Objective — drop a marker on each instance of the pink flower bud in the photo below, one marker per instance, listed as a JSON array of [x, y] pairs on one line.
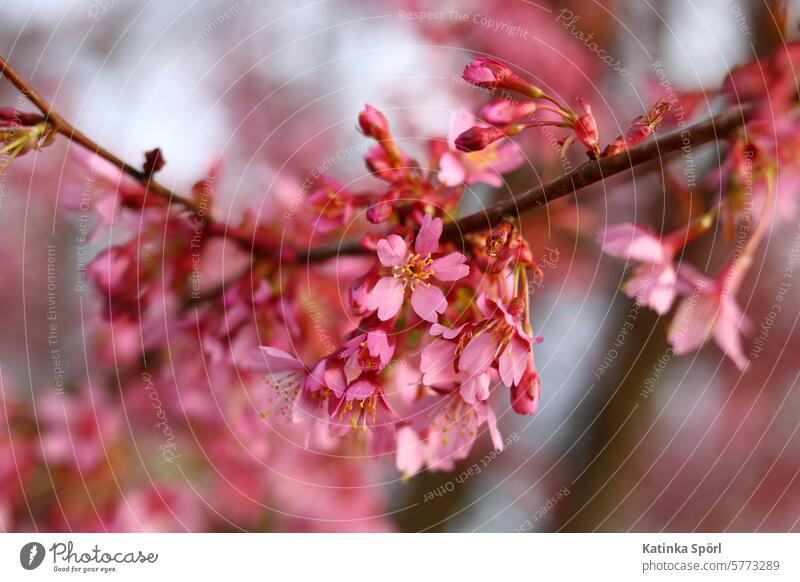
[[586, 128], [373, 123], [379, 211], [11, 116], [641, 128], [491, 74], [525, 395], [477, 138], [504, 112]]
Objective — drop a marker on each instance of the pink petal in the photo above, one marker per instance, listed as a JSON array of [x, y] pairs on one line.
[[728, 329], [360, 390], [513, 361], [451, 172], [693, 322], [508, 157], [632, 243], [428, 237], [392, 250], [450, 267], [386, 297], [378, 346], [272, 361], [437, 329], [410, 451], [491, 423], [305, 406], [427, 301], [475, 388], [316, 379], [460, 121], [484, 176], [653, 285], [477, 355], [335, 380], [438, 363]]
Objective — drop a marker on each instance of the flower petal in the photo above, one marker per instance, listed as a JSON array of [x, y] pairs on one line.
[[451, 172], [437, 363], [450, 267], [427, 240], [475, 388], [386, 297], [335, 380], [728, 329], [513, 361], [379, 347], [273, 361], [360, 390], [632, 243], [427, 301], [392, 250], [477, 355]]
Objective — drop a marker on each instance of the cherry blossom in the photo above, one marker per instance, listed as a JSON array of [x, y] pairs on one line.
[[411, 269]]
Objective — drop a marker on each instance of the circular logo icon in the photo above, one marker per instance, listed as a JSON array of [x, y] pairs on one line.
[[31, 555]]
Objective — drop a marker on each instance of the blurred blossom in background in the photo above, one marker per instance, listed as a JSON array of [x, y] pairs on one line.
[[265, 97]]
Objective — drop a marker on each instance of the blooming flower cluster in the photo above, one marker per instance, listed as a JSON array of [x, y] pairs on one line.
[[434, 330], [434, 334]]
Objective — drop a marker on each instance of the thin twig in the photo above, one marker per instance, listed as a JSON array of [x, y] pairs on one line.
[[589, 173]]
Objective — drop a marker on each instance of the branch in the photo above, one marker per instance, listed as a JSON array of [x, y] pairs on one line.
[[589, 173], [585, 175]]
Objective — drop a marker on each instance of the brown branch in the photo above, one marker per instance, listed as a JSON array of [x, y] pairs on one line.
[[66, 129], [589, 173]]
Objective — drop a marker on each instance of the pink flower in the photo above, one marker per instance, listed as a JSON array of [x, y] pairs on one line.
[[288, 381], [412, 268], [710, 310], [487, 166], [500, 340], [363, 406], [654, 282], [332, 204], [442, 429]]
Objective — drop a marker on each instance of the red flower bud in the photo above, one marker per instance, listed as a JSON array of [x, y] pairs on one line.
[[641, 128], [11, 116], [373, 123], [477, 138], [379, 211], [491, 74], [586, 128], [525, 395], [498, 238]]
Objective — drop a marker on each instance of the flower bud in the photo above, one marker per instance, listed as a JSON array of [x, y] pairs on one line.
[[525, 395], [477, 138], [491, 74], [373, 123], [498, 238], [379, 211], [11, 116], [586, 128]]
